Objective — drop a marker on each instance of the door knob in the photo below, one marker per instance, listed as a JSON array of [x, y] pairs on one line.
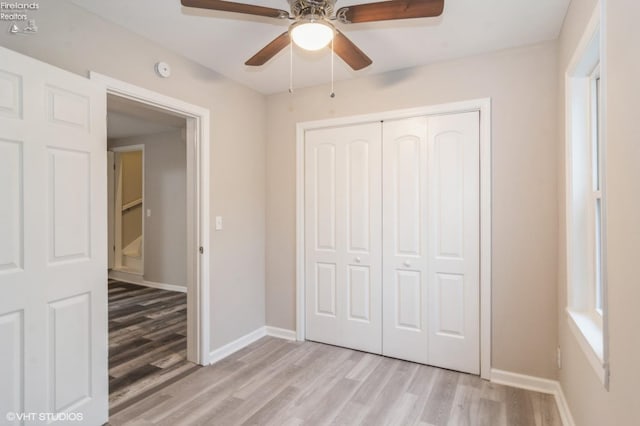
[[407, 263], [358, 259]]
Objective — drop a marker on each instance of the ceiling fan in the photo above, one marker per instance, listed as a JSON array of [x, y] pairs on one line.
[[313, 23]]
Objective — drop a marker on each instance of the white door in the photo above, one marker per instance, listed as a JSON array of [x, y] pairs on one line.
[[431, 234], [53, 242], [405, 239], [454, 242], [343, 236]]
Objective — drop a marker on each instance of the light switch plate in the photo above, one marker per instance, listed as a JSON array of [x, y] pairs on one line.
[[218, 223]]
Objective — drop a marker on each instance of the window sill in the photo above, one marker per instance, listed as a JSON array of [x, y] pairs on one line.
[[589, 335]]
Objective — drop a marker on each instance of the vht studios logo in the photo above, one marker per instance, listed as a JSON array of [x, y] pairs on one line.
[[17, 14]]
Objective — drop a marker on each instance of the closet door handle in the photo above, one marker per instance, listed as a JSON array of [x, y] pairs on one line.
[[358, 259], [407, 263]]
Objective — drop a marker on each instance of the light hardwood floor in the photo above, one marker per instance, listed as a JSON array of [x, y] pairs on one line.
[[147, 341], [277, 382]]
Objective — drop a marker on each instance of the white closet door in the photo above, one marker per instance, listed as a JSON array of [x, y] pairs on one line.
[[405, 288], [454, 242], [431, 240], [342, 236], [53, 242]]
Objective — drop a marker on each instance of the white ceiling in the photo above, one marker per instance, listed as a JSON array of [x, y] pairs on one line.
[[223, 41]]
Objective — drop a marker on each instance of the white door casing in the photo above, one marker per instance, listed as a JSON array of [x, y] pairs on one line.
[[405, 288], [111, 208], [343, 247], [118, 211], [53, 241]]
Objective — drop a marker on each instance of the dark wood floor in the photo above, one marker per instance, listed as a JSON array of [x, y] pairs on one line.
[[147, 342], [277, 382]]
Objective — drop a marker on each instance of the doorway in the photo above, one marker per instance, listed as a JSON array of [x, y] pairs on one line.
[[195, 151], [147, 294], [197, 193], [126, 205]]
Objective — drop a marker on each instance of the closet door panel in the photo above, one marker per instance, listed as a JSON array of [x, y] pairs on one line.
[[454, 244], [343, 236], [405, 240]]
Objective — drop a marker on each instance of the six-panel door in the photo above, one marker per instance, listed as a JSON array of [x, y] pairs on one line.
[[52, 243]]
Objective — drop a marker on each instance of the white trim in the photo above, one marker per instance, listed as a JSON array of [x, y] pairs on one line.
[[482, 105], [589, 51], [197, 119], [536, 384], [137, 279], [226, 350], [281, 333], [523, 381], [257, 334], [589, 338]]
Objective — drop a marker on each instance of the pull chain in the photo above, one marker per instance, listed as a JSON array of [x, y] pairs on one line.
[[333, 93], [291, 66]]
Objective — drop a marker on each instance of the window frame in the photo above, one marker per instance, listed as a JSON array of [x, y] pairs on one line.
[[597, 203], [586, 196]]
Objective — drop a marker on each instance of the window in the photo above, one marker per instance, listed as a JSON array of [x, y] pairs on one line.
[[586, 198], [596, 178]]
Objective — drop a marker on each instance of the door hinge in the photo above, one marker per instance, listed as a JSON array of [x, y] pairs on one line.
[[201, 250]]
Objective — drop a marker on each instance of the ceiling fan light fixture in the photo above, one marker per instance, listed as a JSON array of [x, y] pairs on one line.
[[312, 34]]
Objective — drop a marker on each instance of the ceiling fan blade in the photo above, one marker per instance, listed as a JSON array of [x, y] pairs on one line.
[[270, 50], [388, 10], [349, 52], [229, 6]]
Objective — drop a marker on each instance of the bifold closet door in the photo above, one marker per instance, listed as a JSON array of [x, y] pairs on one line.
[[431, 240], [343, 236], [454, 242], [405, 236]]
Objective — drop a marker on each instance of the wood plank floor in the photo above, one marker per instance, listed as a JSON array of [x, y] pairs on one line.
[[277, 382], [147, 341]]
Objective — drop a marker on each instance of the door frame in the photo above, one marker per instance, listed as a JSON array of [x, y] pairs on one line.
[[198, 205], [483, 106], [117, 220]]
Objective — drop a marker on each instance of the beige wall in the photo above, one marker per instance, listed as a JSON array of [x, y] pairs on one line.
[[522, 84], [590, 403], [78, 41], [165, 183]]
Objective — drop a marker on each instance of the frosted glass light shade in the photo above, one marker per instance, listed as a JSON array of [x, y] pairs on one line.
[[312, 35]]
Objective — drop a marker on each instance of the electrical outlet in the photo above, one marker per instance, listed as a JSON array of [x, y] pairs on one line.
[[559, 357]]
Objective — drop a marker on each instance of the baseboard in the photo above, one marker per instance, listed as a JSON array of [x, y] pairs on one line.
[[236, 345], [138, 280], [536, 384], [563, 407], [281, 333], [247, 339]]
